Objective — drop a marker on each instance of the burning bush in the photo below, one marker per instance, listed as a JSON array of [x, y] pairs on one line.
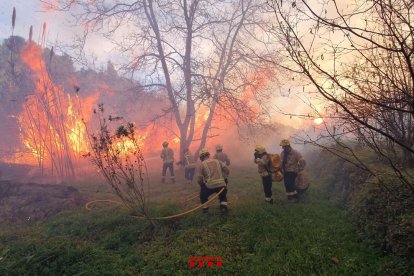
[[118, 156]]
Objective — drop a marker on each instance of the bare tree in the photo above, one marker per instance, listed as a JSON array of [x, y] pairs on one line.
[[203, 54], [358, 56]]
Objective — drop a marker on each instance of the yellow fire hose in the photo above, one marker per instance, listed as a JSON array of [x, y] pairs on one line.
[[191, 197], [233, 198], [87, 206]]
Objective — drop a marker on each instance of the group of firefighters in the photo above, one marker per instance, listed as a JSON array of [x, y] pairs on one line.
[[212, 174]]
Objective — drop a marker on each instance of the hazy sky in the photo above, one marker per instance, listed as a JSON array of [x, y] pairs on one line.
[[60, 30], [29, 12]]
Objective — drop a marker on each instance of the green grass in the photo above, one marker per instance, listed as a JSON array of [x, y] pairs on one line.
[[312, 237]]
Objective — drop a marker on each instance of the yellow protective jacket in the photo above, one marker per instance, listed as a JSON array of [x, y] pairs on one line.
[[212, 173], [167, 155], [189, 161], [293, 162], [222, 157], [263, 165]]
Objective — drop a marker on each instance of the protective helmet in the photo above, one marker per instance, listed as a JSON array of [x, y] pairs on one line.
[[284, 142], [219, 147], [260, 149], [204, 152], [165, 144]]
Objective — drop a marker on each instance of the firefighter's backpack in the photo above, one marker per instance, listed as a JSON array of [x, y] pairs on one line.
[[302, 180], [275, 167]]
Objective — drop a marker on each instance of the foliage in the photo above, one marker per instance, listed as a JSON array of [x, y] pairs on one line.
[[119, 159], [384, 215], [358, 56], [382, 212]]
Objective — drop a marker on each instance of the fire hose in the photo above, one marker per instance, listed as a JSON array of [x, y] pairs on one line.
[[191, 197], [88, 204]]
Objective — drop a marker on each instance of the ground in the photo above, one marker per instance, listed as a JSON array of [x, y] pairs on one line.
[[32, 201], [255, 238]]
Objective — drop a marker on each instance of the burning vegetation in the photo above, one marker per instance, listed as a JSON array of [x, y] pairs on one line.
[[50, 123], [202, 75], [53, 112]]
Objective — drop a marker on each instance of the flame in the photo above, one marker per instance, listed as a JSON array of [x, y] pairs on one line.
[[77, 131], [104, 88], [76, 124], [52, 122], [52, 127], [127, 147]]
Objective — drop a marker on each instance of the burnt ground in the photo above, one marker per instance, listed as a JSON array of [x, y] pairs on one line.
[[33, 201], [23, 173]]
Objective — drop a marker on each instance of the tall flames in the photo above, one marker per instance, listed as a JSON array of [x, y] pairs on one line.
[[51, 126], [76, 120]]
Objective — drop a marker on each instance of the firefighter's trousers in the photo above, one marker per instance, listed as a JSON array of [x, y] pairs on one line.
[[289, 180], [169, 166], [189, 173], [267, 185], [206, 192]]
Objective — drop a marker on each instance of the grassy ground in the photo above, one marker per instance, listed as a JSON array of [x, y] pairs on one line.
[[310, 237]]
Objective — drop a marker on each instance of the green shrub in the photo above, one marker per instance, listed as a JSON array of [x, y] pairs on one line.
[[382, 211], [384, 214]]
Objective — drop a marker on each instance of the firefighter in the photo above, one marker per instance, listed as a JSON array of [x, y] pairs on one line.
[[292, 163], [189, 165], [211, 177], [261, 158], [167, 156], [220, 155]]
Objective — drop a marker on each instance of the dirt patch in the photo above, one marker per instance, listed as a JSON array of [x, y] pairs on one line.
[[32, 201]]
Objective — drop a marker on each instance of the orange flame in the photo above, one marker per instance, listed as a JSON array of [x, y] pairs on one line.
[[51, 125]]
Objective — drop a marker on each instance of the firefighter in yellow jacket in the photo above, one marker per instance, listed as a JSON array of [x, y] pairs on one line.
[[211, 177], [189, 165], [292, 163], [167, 156], [220, 155], [262, 159]]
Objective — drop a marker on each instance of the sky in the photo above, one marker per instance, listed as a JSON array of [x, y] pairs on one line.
[[29, 12], [60, 30]]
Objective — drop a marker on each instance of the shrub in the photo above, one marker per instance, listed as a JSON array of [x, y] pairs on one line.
[[384, 214]]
